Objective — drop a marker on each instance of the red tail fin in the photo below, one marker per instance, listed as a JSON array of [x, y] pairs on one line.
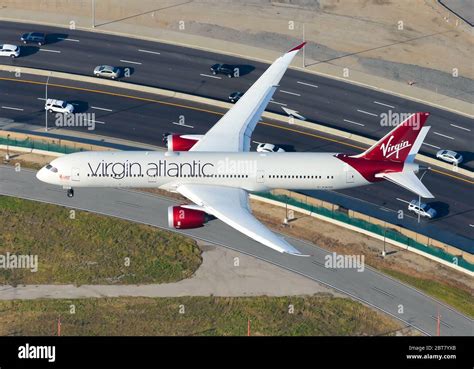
[[396, 145]]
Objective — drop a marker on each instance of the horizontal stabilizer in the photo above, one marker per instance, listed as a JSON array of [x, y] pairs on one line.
[[407, 180]]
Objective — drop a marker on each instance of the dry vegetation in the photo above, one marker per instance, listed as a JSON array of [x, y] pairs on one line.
[[90, 249], [320, 315]]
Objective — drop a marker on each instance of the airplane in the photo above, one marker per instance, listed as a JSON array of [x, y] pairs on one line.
[[216, 171]]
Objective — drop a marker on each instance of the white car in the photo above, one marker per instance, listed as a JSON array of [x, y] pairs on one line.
[[107, 71], [268, 147], [421, 208], [450, 156], [58, 106], [12, 51]]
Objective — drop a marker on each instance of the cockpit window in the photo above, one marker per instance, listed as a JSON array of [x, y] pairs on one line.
[[51, 168]]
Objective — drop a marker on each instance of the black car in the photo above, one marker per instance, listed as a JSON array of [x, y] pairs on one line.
[[227, 69], [34, 38], [235, 96]]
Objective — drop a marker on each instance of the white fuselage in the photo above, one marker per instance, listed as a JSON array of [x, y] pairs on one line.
[[251, 171]]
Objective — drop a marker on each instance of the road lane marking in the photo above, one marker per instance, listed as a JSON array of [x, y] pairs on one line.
[[350, 121], [368, 113], [405, 201], [41, 98], [323, 266], [471, 225], [379, 290], [307, 84], [466, 129], [209, 76], [440, 134], [95, 121], [452, 175], [289, 93], [389, 106], [278, 103], [67, 39], [51, 51], [12, 108], [131, 62], [97, 108], [427, 144], [138, 98], [149, 52], [182, 124], [442, 322]]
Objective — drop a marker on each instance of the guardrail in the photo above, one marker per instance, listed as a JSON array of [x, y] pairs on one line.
[[353, 220]]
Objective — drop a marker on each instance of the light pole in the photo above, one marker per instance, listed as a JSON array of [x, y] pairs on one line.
[[7, 157], [384, 252], [46, 100], [419, 197], [304, 63], [93, 13]]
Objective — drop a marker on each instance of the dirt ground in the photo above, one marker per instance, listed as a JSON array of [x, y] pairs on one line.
[[401, 40], [325, 235]]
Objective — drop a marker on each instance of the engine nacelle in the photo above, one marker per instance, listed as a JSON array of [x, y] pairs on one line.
[[181, 217], [180, 142]]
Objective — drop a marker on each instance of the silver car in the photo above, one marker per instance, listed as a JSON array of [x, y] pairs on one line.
[[12, 51], [450, 156], [107, 71], [421, 208]]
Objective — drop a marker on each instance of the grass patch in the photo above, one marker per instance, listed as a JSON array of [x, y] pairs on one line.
[[320, 315], [458, 298], [90, 249]]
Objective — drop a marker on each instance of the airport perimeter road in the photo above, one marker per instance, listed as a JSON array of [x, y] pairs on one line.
[[327, 101], [369, 286], [145, 118]]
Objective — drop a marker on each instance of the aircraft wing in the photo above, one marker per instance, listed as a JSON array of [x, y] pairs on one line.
[[409, 181], [232, 132], [231, 205]]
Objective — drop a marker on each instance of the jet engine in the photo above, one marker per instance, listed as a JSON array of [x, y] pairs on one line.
[[184, 217], [175, 142]]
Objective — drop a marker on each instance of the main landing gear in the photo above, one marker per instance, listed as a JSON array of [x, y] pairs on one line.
[[70, 192]]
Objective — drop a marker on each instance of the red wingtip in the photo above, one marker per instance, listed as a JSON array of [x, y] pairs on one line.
[[300, 46]]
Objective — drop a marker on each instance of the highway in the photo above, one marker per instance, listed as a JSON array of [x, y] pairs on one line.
[[323, 100], [144, 118], [369, 286]]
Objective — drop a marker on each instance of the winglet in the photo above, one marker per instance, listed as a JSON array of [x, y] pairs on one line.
[[300, 46]]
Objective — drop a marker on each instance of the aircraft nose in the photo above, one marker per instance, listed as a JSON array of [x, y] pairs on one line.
[[41, 174]]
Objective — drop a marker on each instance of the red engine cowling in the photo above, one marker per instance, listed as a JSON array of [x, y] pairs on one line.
[[181, 142], [180, 217]]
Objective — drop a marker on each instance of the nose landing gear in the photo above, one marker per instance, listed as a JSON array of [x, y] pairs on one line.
[[70, 192]]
